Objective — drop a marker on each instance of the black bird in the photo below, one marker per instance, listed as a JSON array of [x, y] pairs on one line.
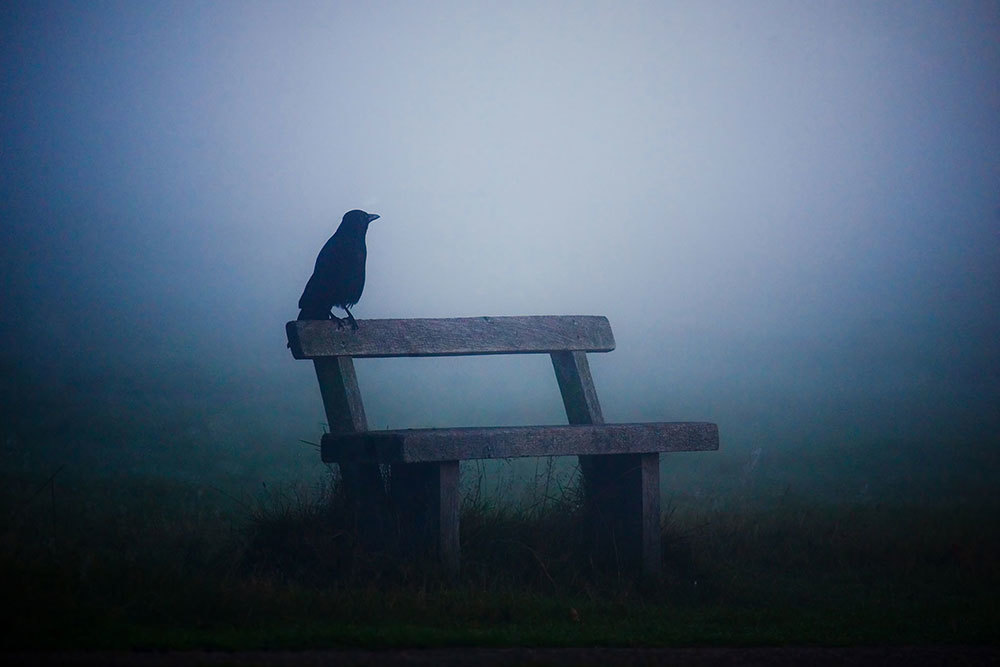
[[339, 276]]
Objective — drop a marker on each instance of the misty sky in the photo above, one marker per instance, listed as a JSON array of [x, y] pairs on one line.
[[783, 207]]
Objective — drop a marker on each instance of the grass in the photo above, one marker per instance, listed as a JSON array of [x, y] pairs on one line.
[[152, 563]]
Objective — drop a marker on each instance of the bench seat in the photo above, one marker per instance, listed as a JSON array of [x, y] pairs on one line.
[[501, 442]]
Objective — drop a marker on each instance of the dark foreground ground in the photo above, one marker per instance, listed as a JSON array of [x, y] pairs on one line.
[[874, 655], [123, 571]]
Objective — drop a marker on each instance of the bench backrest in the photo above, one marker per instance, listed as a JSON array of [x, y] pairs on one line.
[[567, 339], [316, 339]]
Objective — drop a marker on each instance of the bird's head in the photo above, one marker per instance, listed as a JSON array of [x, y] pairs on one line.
[[357, 221]]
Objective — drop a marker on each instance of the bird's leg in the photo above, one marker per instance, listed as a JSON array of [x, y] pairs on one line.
[[340, 322], [350, 318]]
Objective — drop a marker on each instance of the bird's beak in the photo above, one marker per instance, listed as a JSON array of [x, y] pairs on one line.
[[372, 217]]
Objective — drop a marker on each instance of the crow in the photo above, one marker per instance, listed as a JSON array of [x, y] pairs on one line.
[[339, 276]]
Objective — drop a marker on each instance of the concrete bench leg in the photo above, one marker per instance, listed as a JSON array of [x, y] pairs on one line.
[[425, 498], [622, 504]]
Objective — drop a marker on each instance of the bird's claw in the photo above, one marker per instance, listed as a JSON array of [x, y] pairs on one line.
[[340, 321]]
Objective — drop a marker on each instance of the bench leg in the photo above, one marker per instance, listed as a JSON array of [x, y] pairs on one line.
[[622, 501], [368, 504], [345, 413], [425, 497]]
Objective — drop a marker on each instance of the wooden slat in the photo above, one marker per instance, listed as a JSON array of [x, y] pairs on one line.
[[455, 444], [576, 385], [338, 385], [647, 479], [345, 413], [426, 499], [621, 491], [311, 339]]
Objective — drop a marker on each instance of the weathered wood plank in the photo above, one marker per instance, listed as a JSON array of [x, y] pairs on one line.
[[311, 339], [621, 491], [345, 413], [623, 512], [426, 500], [338, 385], [577, 387], [455, 444], [648, 481], [450, 544]]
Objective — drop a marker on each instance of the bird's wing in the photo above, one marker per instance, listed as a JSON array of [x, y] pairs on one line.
[[318, 291], [338, 276], [333, 264]]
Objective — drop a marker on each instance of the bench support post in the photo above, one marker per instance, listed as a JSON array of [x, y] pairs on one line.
[[345, 413], [622, 491], [425, 496]]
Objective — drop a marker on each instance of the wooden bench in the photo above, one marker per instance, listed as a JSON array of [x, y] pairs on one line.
[[619, 462]]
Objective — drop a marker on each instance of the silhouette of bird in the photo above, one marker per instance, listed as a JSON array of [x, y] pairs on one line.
[[339, 276]]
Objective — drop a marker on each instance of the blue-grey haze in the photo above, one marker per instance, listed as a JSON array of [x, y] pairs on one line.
[[789, 211]]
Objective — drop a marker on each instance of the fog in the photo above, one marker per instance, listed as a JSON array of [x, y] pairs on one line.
[[788, 211]]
